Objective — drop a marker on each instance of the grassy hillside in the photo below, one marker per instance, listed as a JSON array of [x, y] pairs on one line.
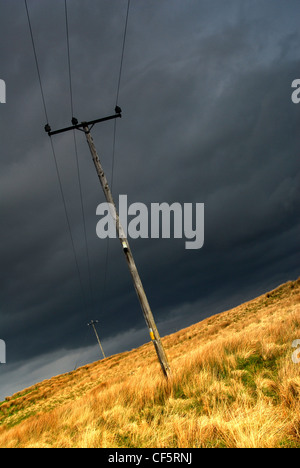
[[234, 385]]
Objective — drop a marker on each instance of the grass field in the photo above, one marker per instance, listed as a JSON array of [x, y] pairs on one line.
[[234, 385]]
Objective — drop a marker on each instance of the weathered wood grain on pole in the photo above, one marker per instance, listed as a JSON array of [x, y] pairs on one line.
[[154, 335]]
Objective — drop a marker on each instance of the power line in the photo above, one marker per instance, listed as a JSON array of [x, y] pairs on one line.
[[123, 50], [118, 92], [76, 154], [75, 142], [68, 220], [115, 132], [69, 58], [54, 153], [86, 127], [84, 219], [36, 61], [150, 322]]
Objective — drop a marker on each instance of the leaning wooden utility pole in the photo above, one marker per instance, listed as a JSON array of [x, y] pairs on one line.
[[93, 322], [154, 335]]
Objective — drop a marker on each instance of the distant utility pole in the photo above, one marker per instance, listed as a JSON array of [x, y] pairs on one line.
[[154, 335], [93, 322]]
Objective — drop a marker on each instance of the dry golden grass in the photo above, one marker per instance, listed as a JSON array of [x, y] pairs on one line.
[[234, 385]]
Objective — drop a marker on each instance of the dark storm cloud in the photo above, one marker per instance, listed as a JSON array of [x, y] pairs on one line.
[[207, 117]]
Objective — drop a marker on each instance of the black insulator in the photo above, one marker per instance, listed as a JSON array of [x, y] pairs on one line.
[[118, 110], [47, 128], [74, 121]]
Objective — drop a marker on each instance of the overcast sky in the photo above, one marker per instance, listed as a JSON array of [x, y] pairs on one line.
[[207, 118]]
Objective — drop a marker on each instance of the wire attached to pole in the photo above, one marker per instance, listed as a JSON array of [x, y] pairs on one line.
[[77, 157], [36, 61], [115, 132], [123, 50], [118, 92], [54, 153]]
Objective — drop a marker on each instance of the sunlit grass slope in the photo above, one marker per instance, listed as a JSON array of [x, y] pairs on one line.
[[234, 385]]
